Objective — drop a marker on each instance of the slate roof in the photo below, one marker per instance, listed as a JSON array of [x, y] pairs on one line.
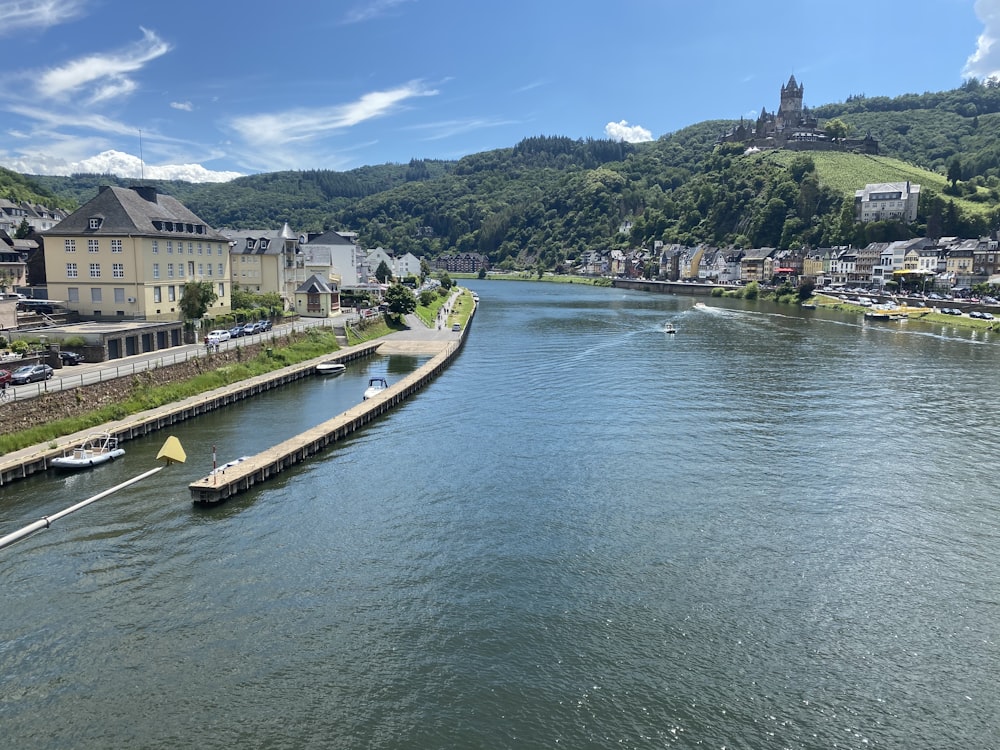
[[315, 284], [139, 211], [329, 238]]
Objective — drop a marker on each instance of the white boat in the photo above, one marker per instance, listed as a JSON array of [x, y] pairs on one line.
[[95, 450], [375, 387], [669, 328], [330, 368], [228, 465]]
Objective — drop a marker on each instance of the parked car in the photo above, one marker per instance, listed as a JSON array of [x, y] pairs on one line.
[[5, 377], [236, 332], [456, 327], [31, 374], [264, 325], [217, 336], [250, 329], [70, 358]]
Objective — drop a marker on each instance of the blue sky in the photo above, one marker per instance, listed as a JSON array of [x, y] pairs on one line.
[[222, 89]]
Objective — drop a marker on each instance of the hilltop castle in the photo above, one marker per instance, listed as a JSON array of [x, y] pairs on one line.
[[793, 127]]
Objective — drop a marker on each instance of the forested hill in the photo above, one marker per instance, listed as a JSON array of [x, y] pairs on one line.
[[546, 200]]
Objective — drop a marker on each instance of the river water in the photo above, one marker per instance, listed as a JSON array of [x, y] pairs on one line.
[[776, 528]]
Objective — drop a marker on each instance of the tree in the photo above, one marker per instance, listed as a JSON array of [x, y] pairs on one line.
[[400, 299], [198, 296], [23, 230], [383, 273], [836, 129], [955, 171]]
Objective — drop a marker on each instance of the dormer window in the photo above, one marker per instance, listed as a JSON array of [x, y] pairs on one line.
[[249, 243], [95, 222]]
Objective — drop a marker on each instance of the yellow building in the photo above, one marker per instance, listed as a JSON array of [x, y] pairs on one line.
[[127, 254]]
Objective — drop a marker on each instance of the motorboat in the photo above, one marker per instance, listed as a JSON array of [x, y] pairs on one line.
[[375, 387], [227, 465], [95, 450], [330, 368], [669, 328]]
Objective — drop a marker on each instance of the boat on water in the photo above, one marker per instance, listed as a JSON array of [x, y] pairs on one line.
[[375, 387], [94, 451], [669, 328], [227, 465], [330, 368], [807, 306]]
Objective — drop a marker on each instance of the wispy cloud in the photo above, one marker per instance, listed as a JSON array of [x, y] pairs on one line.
[[985, 61], [27, 14], [183, 106], [437, 131], [370, 10], [103, 76], [530, 86], [280, 128], [622, 131]]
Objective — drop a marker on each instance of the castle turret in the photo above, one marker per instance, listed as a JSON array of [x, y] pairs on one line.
[[790, 109]]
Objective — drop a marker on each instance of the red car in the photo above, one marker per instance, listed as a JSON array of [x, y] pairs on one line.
[[5, 377]]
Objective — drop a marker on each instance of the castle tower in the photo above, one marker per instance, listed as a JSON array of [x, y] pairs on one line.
[[790, 109]]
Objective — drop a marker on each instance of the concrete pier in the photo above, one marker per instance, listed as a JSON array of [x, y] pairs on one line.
[[220, 486], [22, 464]]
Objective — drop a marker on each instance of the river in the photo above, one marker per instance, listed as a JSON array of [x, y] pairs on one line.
[[776, 528]]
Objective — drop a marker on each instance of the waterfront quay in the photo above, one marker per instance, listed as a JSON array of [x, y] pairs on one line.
[[223, 484], [22, 464]]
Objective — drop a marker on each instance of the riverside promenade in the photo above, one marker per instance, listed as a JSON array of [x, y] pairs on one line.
[[417, 339], [443, 344]]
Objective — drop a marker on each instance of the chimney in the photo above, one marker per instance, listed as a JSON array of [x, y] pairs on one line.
[[147, 192]]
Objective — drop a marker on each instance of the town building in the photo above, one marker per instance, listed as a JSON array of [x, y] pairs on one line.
[[128, 253], [266, 261], [887, 201], [317, 297], [462, 262]]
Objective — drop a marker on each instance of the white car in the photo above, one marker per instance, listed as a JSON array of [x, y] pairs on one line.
[[217, 336]]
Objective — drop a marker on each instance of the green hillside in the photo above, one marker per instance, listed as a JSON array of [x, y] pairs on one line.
[[847, 172]]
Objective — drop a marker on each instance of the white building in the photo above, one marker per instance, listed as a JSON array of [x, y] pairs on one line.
[[887, 201]]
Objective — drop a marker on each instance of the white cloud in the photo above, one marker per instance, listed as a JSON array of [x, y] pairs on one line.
[[985, 61], [184, 106], [622, 131], [120, 164], [370, 10], [281, 128], [27, 14], [105, 73]]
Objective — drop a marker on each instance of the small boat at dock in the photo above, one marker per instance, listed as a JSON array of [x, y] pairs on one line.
[[330, 368], [94, 451], [227, 465], [375, 387]]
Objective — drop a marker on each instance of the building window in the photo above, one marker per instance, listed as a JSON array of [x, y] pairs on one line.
[[156, 270], [118, 270], [209, 268], [170, 270], [171, 293], [73, 294], [70, 246], [119, 295], [71, 272], [222, 270], [199, 248], [156, 295], [180, 270], [95, 270], [116, 246], [190, 248], [222, 290], [201, 269], [93, 246], [94, 223], [191, 268], [170, 248], [95, 294]]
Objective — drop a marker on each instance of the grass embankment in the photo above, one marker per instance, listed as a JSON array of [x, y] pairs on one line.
[[928, 316], [848, 172], [295, 348]]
